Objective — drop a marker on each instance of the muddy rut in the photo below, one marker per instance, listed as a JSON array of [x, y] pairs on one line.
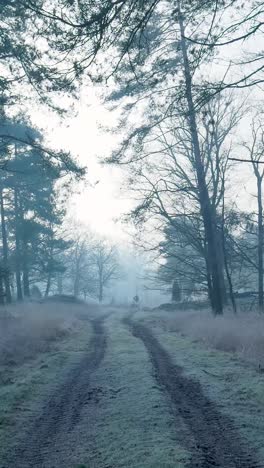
[[216, 442], [62, 410]]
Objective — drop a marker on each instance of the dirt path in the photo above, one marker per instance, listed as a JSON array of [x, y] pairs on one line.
[[125, 403], [62, 411], [216, 442]]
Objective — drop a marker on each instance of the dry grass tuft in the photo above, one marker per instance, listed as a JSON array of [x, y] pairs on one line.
[[30, 328], [243, 334]]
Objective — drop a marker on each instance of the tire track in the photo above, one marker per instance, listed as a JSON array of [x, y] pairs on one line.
[[62, 411], [217, 443]]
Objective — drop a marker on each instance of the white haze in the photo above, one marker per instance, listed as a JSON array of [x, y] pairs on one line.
[[100, 203]]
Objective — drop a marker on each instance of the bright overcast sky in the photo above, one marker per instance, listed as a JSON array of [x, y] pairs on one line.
[[100, 202]]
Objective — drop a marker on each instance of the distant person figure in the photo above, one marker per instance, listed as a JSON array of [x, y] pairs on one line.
[[35, 292], [135, 303], [176, 292]]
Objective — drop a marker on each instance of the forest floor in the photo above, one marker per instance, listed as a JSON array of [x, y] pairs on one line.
[[123, 391]]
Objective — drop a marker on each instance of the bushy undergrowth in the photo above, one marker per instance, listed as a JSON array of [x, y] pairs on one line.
[[29, 329], [242, 334]]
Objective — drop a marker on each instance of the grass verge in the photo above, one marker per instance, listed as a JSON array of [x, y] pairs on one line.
[[242, 334], [226, 379], [28, 381]]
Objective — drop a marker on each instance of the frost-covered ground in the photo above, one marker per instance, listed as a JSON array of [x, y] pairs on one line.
[[119, 390], [221, 354]]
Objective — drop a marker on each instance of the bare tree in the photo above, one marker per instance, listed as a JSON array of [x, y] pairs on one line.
[[105, 261], [175, 98], [90, 264], [256, 151], [77, 260], [165, 183]]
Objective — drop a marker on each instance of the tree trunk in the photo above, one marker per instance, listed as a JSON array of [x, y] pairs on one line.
[[59, 283], [228, 275], [101, 286], [19, 284], [17, 252], [100, 292], [2, 292], [5, 251], [48, 285], [230, 285], [26, 283], [25, 271], [260, 245], [208, 278], [205, 204], [221, 263], [76, 286]]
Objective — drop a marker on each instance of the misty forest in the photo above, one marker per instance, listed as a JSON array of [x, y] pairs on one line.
[[131, 233]]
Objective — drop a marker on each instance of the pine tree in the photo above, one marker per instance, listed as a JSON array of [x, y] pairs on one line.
[[31, 215]]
